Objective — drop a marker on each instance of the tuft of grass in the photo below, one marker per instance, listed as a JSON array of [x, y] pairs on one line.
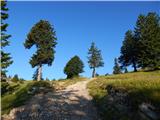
[[20, 96], [141, 87]]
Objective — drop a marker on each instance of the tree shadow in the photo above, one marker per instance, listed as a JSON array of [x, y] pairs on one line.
[[62, 105]]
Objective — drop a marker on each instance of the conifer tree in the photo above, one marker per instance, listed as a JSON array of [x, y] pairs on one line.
[[147, 32], [43, 36], [5, 57], [129, 51], [94, 58], [74, 67], [116, 68]]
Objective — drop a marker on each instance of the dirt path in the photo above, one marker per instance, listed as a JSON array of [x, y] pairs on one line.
[[72, 103]]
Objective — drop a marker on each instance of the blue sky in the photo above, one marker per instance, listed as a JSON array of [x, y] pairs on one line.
[[77, 24]]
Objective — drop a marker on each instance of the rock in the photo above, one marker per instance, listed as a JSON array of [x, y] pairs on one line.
[[148, 112], [79, 113], [41, 88], [73, 98], [12, 113], [33, 90], [52, 108], [121, 108]]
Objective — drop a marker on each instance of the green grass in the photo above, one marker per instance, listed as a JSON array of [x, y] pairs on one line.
[[141, 87], [20, 96]]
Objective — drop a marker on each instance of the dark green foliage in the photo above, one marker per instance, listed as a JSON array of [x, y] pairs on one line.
[[74, 67], [147, 32], [116, 68], [141, 48], [5, 57], [43, 36], [94, 58], [4, 87], [15, 78], [129, 51]]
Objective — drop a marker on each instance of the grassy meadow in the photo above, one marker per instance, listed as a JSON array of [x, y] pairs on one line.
[[141, 87]]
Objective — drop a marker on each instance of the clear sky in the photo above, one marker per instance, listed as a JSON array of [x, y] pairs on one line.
[[77, 24]]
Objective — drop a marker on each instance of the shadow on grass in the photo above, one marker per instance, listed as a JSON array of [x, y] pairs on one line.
[[20, 96], [113, 108]]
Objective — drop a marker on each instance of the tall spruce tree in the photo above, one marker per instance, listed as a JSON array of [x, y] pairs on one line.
[[43, 36], [94, 58], [5, 57], [74, 67], [116, 68], [147, 32], [129, 51]]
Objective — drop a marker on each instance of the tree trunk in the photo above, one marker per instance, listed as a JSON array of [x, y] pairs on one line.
[[134, 66], [93, 73], [39, 73]]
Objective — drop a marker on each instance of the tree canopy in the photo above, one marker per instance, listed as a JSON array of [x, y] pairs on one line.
[[129, 51], [5, 57], [74, 67], [94, 58], [147, 33], [43, 36], [141, 47]]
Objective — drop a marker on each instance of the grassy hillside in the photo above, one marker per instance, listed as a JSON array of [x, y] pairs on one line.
[[20, 95], [141, 87]]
